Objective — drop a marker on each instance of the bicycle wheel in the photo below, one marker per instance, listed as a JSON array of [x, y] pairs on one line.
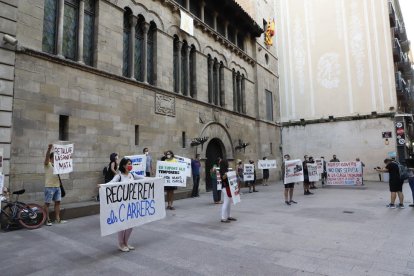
[[32, 216], [6, 218]]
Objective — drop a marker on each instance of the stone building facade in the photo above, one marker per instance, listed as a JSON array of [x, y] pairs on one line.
[[121, 75]]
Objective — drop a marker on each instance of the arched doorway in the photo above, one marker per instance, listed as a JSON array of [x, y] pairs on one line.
[[214, 150]]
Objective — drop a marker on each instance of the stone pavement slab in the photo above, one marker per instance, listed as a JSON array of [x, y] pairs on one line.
[[333, 232]]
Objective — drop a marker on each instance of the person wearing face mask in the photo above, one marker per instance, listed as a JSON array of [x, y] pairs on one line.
[[169, 157], [125, 174], [324, 174], [265, 174], [148, 167]]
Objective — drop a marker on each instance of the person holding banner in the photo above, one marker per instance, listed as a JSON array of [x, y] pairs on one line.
[[306, 183], [324, 174], [124, 175], [240, 171], [265, 174], [252, 183], [169, 157], [215, 178], [52, 187], [288, 186], [225, 209], [195, 168], [312, 183]]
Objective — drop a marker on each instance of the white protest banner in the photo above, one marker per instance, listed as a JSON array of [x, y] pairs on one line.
[[1, 160], [62, 155], [293, 171], [174, 173], [129, 204], [344, 173], [139, 163], [313, 172], [187, 23], [248, 172], [186, 161], [319, 164], [266, 164], [234, 187]]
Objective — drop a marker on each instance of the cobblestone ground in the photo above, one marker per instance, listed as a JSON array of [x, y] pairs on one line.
[[333, 232]]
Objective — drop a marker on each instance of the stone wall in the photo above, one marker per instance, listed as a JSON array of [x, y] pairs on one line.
[[104, 107]]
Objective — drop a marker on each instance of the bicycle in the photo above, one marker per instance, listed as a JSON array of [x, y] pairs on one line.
[[14, 213]]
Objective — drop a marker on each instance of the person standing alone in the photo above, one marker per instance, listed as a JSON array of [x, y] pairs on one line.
[[148, 166], [52, 188], [395, 182], [195, 168]]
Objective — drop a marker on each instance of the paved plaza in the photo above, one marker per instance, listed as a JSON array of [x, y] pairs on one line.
[[333, 232]]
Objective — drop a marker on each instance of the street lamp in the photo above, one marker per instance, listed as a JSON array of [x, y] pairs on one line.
[[242, 145], [199, 141]]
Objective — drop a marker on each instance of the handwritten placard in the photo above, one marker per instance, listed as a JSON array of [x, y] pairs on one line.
[[186, 161], [344, 173], [319, 164], [129, 204], [313, 172], [293, 171], [174, 173], [234, 187], [62, 155], [266, 164], [248, 172], [139, 163]]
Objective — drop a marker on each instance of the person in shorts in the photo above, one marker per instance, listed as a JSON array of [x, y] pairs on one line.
[[52, 188], [395, 182], [288, 186]]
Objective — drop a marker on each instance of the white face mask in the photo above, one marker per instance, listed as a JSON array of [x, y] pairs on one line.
[[169, 156], [146, 153]]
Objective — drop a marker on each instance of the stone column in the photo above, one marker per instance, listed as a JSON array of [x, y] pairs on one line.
[[133, 22], [187, 4], [226, 29], [221, 90], [211, 76], [215, 20], [187, 53], [217, 83], [234, 91], [235, 36], [60, 28], [80, 30], [239, 94], [179, 45], [203, 4], [145, 53], [243, 96]]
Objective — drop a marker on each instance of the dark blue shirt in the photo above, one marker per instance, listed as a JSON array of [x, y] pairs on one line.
[[195, 166]]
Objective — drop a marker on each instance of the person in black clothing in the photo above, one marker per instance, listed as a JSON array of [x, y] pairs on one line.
[[324, 174], [395, 182], [306, 183], [334, 159]]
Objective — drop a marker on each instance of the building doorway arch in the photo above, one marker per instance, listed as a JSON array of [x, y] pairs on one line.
[[214, 150]]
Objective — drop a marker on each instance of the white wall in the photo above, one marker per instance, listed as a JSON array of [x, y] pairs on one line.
[[348, 140]]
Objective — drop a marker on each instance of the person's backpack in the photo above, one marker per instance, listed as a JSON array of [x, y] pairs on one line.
[[107, 173], [403, 171]]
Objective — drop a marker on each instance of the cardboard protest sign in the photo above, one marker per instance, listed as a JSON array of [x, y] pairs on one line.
[[186, 161], [234, 187], [62, 155], [219, 183], [174, 173], [319, 164], [344, 173], [248, 172], [313, 172], [129, 204], [139, 163], [293, 171], [266, 164]]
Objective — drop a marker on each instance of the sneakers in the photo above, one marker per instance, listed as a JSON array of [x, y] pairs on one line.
[[48, 223], [287, 202], [60, 221], [401, 206], [123, 248], [292, 201], [391, 206], [225, 220], [411, 205], [130, 247], [231, 219]]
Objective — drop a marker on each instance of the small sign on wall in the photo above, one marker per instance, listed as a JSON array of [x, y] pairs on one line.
[[387, 134]]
